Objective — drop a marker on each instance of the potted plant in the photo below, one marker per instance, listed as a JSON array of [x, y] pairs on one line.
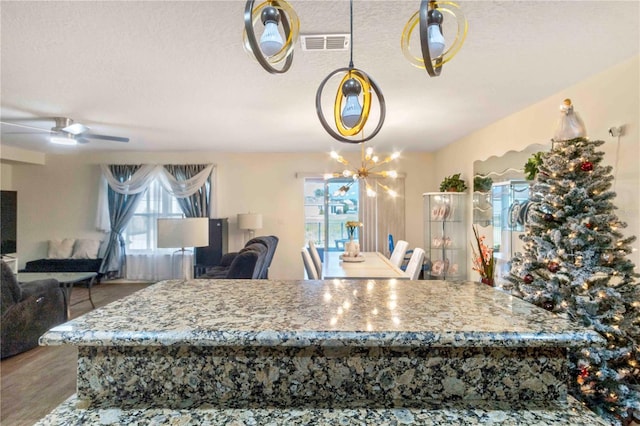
[[482, 184], [453, 184]]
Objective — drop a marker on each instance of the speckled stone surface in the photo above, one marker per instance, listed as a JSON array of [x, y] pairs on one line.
[[320, 352], [325, 313], [570, 414], [180, 377]]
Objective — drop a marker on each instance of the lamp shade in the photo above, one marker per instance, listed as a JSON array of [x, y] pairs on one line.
[[250, 221], [183, 232]]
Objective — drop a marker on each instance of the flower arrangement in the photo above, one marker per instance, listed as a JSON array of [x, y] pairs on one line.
[[483, 260], [352, 225]]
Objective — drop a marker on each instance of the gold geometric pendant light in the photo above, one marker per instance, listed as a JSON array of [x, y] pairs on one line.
[[434, 49], [352, 103], [272, 48]]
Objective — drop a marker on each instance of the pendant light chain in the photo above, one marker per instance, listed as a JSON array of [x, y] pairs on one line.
[[351, 29]]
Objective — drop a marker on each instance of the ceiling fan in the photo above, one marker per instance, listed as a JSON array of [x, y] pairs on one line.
[[66, 132]]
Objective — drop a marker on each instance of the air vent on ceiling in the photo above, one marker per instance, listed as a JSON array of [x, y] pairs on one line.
[[327, 42]]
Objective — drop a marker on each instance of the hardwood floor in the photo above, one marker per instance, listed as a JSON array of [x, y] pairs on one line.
[[33, 383]]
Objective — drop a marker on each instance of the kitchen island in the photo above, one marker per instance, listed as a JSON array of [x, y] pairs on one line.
[[329, 352]]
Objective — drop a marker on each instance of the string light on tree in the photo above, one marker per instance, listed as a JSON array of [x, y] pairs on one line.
[[575, 247]]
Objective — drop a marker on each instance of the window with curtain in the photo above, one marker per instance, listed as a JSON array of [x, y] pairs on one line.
[[140, 234]]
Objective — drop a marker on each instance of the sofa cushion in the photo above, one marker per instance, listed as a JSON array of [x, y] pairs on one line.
[[85, 249], [60, 249]]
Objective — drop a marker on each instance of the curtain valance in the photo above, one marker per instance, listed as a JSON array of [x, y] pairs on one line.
[[140, 180]]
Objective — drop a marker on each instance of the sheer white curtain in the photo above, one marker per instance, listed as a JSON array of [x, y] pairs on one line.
[[382, 215]]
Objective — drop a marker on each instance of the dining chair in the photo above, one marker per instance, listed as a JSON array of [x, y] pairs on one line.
[[312, 274], [315, 257], [397, 256], [415, 264]]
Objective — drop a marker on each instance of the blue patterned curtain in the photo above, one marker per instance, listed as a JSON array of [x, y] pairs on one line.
[[198, 204], [121, 209]]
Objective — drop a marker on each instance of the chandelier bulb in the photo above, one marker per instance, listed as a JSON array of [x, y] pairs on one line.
[[434, 33], [375, 158], [369, 152], [271, 41], [352, 109], [347, 173]]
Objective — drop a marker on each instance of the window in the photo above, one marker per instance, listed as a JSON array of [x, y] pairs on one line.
[[140, 234], [325, 216]]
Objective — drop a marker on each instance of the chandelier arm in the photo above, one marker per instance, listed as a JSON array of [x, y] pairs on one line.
[[253, 43]]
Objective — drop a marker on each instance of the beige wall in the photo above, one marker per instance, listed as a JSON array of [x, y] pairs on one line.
[[608, 99], [58, 199]]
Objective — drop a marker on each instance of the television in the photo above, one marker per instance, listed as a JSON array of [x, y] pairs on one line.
[[8, 222]]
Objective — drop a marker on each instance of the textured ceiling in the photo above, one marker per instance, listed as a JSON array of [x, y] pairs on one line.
[[174, 75]]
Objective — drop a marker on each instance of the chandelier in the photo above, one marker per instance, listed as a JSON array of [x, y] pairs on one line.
[[368, 164], [435, 52]]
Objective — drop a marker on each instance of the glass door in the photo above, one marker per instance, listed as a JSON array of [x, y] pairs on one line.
[[328, 205]]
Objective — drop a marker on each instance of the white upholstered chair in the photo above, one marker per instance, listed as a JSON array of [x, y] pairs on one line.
[[312, 274], [397, 257], [415, 264], [315, 257]]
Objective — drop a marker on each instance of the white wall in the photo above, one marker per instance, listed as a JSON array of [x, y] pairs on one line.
[[59, 199], [608, 99]]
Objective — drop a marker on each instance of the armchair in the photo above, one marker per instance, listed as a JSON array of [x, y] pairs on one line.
[[28, 311], [242, 264]]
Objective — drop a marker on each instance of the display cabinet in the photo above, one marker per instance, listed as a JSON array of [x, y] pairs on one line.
[[511, 206], [445, 235]]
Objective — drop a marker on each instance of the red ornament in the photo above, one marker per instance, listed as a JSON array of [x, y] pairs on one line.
[[589, 225], [553, 267], [587, 166], [528, 279]]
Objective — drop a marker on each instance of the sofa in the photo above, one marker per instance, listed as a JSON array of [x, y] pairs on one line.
[[65, 265], [70, 255], [251, 262], [28, 311]]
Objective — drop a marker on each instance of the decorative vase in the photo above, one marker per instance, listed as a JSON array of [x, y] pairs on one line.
[[352, 248], [488, 281]]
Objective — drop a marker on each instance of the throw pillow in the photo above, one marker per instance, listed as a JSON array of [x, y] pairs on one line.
[[85, 249], [60, 249]]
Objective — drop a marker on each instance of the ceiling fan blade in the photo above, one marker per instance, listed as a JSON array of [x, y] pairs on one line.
[[9, 123], [105, 137]]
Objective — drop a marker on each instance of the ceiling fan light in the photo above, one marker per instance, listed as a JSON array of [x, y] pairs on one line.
[[76, 128], [67, 139]]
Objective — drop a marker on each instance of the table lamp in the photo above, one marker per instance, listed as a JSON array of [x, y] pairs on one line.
[[250, 222], [182, 233]]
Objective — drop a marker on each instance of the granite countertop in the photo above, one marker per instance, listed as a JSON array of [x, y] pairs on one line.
[[326, 313], [573, 414]]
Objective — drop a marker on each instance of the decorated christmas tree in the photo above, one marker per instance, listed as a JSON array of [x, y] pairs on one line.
[[575, 263]]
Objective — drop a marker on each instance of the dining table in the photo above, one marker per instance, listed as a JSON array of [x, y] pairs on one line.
[[367, 266]]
